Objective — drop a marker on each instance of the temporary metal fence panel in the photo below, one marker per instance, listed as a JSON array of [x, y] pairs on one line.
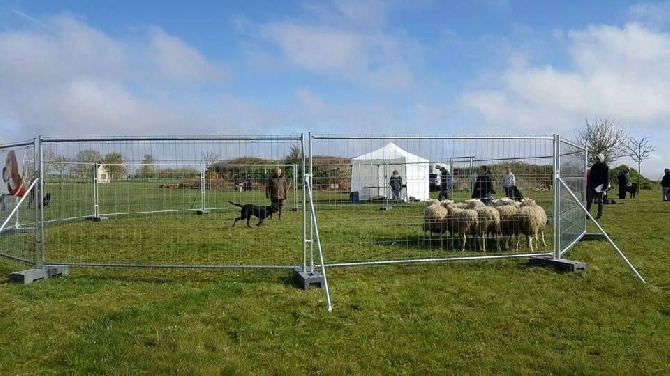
[[132, 202], [19, 228], [371, 228], [572, 218]]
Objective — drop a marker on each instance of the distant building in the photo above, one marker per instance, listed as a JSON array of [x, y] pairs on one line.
[[102, 174]]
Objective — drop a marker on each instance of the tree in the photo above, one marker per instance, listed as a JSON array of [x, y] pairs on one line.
[[603, 136], [60, 164], [639, 150], [86, 159], [115, 166], [148, 169], [209, 158], [294, 155]]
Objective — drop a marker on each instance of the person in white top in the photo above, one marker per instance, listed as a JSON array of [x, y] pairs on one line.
[[508, 182]]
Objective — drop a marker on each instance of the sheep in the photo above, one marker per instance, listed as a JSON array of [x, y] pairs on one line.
[[507, 209], [474, 203], [488, 221], [531, 221], [432, 201], [462, 222], [433, 218]]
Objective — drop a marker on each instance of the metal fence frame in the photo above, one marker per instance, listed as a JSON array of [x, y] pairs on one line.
[[562, 202], [564, 215]]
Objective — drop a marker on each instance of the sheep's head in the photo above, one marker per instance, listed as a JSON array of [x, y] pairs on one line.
[[528, 202], [474, 203], [503, 201], [447, 203], [432, 201]]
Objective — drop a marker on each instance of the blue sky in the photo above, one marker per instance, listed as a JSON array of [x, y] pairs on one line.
[[423, 67]]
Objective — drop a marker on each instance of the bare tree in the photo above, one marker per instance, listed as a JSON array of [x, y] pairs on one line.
[[603, 136], [209, 158], [639, 150], [60, 164]]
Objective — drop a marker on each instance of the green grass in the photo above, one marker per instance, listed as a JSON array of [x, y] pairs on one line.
[[493, 317]]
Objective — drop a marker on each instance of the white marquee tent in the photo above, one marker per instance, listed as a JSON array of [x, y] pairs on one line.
[[370, 174]]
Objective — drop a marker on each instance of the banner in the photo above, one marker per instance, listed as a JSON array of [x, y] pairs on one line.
[[11, 176]]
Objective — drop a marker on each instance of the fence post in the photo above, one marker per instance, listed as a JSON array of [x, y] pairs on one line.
[[37, 200], [203, 173], [557, 197]]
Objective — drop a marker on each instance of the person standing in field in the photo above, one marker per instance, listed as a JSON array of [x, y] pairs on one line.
[[623, 182], [665, 185], [446, 184], [483, 188], [396, 185], [508, 182], [276, 190], [598, 183]]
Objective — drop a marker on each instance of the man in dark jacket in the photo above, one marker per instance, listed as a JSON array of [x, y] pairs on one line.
[[483, 188], [276, 190], [623, 182], [598, 183]]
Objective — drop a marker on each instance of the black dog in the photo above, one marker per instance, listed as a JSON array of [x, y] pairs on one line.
[[45, 200], [632, 190], [249, 210]]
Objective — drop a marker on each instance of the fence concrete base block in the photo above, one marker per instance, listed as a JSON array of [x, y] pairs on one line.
[[27, 276], [96, 219], [593, 236], [201, 212], [308, 279], [31, 275], [558, 264], [55, 270]]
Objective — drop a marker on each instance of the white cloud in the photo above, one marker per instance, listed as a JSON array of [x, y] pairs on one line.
[[68, 78], [177, 62], [68, 48], [656, 14], [620, 73], [347, 40]]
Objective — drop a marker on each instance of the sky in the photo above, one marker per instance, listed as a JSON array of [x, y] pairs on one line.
[[344, 67]]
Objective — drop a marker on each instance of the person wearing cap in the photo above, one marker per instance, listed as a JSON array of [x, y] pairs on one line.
[[598, 183], [446, 184]]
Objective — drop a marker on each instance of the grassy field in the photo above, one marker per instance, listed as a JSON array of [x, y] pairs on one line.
[[493, 317]]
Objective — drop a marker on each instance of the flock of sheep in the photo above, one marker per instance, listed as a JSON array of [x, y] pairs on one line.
[[503, 219]]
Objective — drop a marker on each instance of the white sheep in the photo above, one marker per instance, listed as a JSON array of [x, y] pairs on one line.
[[531, 221], [474, 203], [462, 222], [507, 209], [488, 221], [433, 218]]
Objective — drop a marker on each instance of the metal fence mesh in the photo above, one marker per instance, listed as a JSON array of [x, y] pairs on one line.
[[17, 209], [133, 202], [363, 227]]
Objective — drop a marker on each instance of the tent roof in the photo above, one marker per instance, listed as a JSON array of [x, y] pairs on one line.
[[389, 152]]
